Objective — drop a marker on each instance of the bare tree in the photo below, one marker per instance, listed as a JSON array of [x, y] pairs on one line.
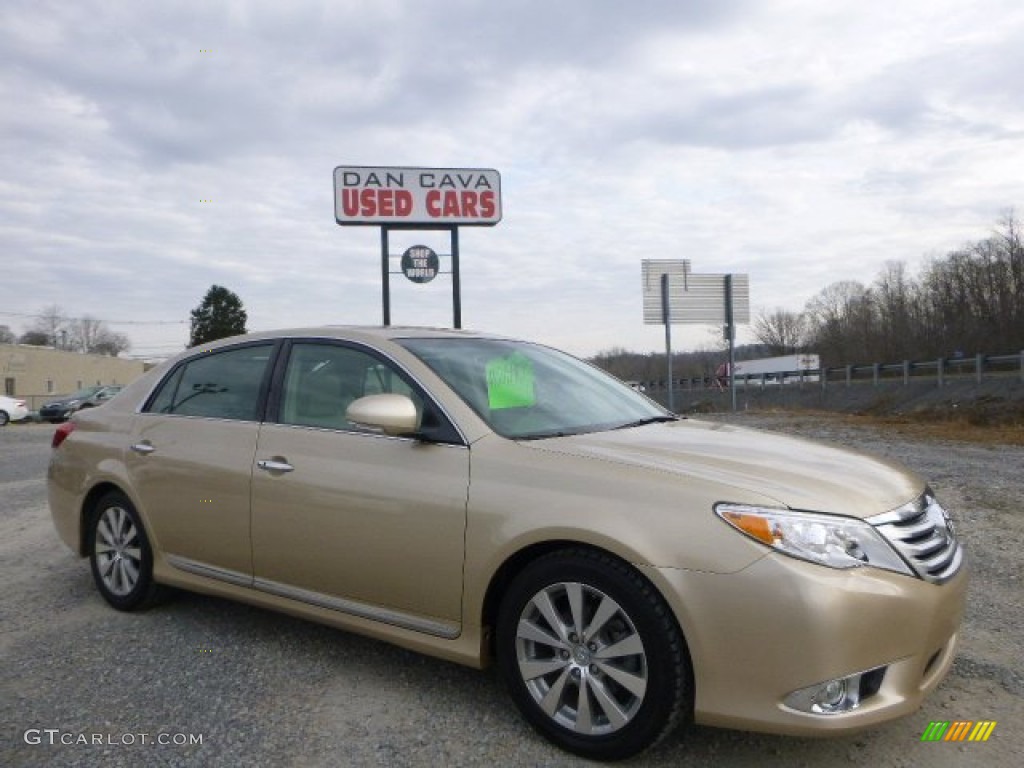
[[782, 331], [839, 319], [6, 337], [52, 323], [92, 336], [85, 331]]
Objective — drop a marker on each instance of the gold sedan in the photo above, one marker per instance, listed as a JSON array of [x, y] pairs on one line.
[[480, 498]]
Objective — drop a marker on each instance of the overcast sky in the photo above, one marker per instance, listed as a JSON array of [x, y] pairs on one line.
[[151, 149]]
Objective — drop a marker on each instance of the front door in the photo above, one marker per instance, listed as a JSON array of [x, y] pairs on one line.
[[353, 520]]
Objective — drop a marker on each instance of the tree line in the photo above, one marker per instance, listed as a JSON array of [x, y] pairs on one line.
[[53, 328], [219, 314], [971, 300]]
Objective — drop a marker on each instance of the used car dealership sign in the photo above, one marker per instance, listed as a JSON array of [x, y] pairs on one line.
[[417, 196]]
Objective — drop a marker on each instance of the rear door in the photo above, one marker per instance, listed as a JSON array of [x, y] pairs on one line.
[[190, 459]]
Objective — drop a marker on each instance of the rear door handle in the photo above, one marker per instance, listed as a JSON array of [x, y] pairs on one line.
[[272, 465], [143, 448]]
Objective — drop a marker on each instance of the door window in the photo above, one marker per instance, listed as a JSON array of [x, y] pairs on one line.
[[322, 380], [219, 385]]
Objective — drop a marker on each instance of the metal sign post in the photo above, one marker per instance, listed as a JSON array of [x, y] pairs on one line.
[[419, 274], [730, 333], [666, 314]]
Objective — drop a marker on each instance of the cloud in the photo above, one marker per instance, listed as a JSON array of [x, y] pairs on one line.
[[151, 150]]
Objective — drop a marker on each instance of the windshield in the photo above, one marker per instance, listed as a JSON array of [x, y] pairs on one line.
[[526, 391]]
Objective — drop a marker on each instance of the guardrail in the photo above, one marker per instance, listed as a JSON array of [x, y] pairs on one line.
[[979, 366]]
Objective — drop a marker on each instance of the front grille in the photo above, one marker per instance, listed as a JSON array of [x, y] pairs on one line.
[[923, 534]]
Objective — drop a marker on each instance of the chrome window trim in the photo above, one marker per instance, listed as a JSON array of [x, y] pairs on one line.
[[357, 433], [276, 352]]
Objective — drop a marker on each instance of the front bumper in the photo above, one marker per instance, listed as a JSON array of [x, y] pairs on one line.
[[782, 624]]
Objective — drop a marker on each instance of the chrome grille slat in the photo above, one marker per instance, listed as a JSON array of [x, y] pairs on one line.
[[919, 531], [912, 531], [958, 558], [926, 548], [939, 561]]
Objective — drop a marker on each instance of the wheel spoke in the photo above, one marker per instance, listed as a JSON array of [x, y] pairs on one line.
[[635, 684], [106, 567], [553, 698], [103, 529], [131, 572], [629, 646], [608, 705], [528, 630], [118, 514], [604, 612], [542, 600], [574, 591], [584, 718], [531, 669], [117, 577]]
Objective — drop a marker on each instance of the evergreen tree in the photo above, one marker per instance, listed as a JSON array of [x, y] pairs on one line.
[[220, 314]]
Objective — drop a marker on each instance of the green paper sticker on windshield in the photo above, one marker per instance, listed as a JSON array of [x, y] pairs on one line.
[[510, 382]]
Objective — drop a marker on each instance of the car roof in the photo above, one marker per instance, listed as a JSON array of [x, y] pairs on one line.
[[358, 333]]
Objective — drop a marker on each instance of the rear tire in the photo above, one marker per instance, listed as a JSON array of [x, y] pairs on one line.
[[592, 656], [4, 418], [120, 555]]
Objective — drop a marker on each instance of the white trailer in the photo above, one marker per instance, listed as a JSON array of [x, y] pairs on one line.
[[779, 370]]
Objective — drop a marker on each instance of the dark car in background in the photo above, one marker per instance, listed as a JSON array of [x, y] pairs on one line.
[[61, 407]]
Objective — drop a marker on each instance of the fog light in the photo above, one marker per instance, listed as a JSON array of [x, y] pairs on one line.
[[834, 697]]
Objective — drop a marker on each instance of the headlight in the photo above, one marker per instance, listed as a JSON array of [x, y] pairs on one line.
[[838, 542]]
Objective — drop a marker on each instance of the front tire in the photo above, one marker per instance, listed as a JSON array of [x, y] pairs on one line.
[[120, 555], [4, 418], [592, 655]]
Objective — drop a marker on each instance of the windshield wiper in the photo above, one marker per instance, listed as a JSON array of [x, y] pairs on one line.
[[650, 420]]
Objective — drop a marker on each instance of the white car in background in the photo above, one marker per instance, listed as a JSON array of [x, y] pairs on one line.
[[12, 409]]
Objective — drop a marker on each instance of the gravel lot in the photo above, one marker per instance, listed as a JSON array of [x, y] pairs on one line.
[[265, 689]]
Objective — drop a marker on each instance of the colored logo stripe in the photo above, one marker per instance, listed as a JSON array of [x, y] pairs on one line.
[[982, 730], [958, 730]]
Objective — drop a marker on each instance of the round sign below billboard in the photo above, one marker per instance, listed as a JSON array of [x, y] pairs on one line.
[[420, 264]]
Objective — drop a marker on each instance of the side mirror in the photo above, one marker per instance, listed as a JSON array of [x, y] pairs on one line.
[[391, 414]]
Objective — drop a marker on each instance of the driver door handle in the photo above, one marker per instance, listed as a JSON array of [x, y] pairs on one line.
[[273, 465]]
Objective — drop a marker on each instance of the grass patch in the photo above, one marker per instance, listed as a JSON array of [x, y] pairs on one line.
[[964, 425]]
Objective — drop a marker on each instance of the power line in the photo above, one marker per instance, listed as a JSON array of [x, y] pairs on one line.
[[68, 318]]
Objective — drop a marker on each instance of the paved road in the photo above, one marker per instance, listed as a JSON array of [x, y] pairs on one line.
[[258, 688]]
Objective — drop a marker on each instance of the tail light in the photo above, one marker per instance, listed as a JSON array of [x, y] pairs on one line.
[[61, 433]]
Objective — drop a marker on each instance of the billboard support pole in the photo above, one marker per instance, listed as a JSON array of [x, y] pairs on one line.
[[666, 316], [385, 280], [456, 281], [730, 331]]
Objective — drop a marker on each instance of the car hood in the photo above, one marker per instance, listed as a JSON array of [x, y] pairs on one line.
[[796, 473]]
